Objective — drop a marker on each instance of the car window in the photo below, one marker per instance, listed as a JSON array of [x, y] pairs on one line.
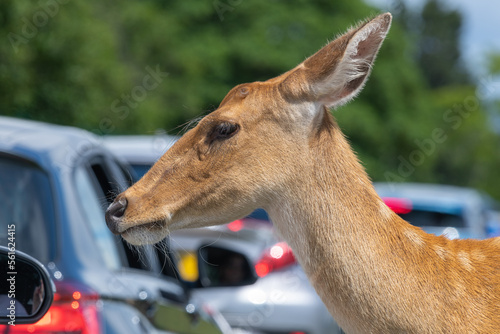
[[26, 208], [259, 214], [153, 258], [91, 197], [140, 170], [110, 178], [424, 218], [128, 173]]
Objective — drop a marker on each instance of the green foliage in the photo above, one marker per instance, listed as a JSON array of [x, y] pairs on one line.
[[439, 46], [59, 68], [469, 154], [133, 67], [494, 63], [85, 63]]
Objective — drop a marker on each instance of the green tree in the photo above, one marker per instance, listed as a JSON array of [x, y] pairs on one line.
[[439, 46], [58, 63], [133, 67], [468, 155]]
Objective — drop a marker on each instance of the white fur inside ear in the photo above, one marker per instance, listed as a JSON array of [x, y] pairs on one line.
[[351, 73]]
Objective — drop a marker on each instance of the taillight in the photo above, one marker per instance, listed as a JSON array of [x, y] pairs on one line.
[[74, 310], [235, 226], [398, 205], [274, 258]]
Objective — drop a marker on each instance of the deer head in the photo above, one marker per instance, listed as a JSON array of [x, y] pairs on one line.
[[253, 148]]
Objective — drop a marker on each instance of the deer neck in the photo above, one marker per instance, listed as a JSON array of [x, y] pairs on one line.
[[340, 231], [333, 204]]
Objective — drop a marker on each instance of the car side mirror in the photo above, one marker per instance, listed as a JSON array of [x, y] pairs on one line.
[[27, 291], [222, 267]]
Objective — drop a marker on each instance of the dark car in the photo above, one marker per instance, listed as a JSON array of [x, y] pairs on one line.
[[55, 183]]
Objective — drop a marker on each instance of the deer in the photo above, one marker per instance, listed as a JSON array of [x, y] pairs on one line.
[[275, 145]]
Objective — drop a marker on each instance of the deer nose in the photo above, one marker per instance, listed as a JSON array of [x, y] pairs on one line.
[[114, 214]]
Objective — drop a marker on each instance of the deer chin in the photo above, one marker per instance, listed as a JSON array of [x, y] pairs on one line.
[[146, 233], [151, 232]]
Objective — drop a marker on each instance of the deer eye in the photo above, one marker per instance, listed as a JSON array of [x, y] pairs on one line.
[[224, 131]]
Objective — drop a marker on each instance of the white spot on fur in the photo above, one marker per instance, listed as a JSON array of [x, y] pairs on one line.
[[414, 237], [385, 211], [496, 241], [464, 259], [441, 252]]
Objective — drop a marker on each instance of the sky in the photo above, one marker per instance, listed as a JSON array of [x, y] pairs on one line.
[[481, 29]]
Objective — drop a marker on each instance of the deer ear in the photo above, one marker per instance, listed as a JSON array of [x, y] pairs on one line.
[[336, 73]]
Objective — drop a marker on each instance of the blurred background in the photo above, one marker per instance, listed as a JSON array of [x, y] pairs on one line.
[[135, 72], [428, 114]]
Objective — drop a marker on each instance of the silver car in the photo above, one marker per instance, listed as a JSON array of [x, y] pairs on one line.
[[281, 301]]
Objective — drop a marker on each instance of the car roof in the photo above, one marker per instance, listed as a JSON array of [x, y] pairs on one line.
[[433, 194], [43, 142], [140, 149]]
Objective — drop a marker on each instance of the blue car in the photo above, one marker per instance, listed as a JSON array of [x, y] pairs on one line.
[[55, 183]]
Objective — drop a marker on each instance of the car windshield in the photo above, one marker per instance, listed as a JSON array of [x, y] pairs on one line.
[[26, 208], [425, 218]]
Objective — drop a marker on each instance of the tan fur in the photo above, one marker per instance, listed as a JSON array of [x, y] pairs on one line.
[[375, 272]]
